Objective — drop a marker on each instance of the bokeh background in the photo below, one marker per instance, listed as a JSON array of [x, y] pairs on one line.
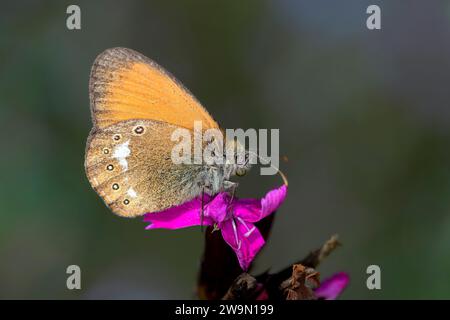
[[364, 119]]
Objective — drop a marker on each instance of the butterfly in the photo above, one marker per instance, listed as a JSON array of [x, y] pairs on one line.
[[136, 105]]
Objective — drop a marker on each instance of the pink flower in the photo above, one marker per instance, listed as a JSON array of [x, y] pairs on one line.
[[235, 218], [332, 287]]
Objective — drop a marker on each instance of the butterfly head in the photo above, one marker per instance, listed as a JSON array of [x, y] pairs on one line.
[[237, 158]]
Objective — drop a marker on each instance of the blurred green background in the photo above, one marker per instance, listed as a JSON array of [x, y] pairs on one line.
[[364, 120]]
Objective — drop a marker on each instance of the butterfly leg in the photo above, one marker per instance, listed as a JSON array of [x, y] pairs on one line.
[[230, 187], [202, 212], [233, 192]]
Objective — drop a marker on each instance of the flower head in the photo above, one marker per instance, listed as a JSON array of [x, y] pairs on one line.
[[234, 217]]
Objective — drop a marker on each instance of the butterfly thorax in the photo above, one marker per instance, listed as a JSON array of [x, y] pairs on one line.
[[235, 162]]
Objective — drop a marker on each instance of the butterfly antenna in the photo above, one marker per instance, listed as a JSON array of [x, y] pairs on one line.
[[262, 159]]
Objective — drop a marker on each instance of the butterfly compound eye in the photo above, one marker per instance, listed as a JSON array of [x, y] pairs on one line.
[[240, 172]]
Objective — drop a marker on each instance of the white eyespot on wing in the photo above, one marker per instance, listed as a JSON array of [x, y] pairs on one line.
[[121, 152], [132, 193]]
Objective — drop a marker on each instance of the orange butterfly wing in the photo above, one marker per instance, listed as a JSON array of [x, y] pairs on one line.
[[126, 85]]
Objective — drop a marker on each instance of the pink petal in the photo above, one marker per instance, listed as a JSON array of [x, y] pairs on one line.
[[186, 215], [244, 238], [216, 209], [273, 200], [253, 210], [247, 209], [331, 288]]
